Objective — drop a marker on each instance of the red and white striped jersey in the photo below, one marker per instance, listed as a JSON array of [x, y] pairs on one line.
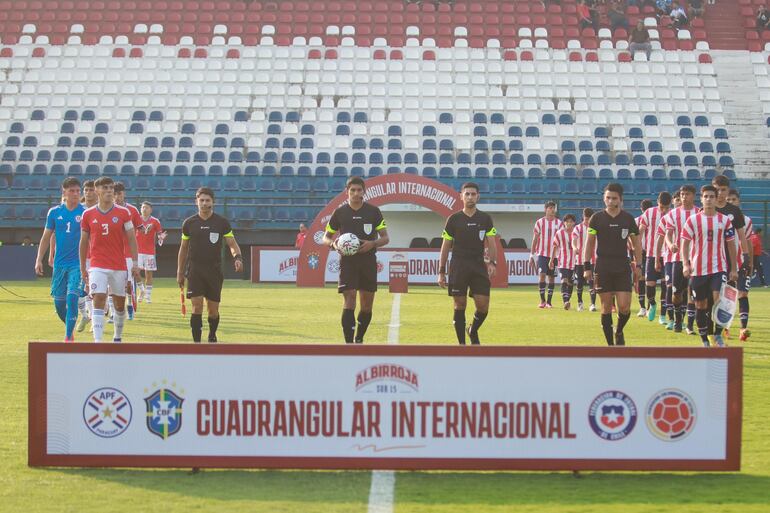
[[708, 235], [748, 229], [580, 233], [638, 220], [664, 253], [566, 253], [546, 230], [674, 223], [650, 220]]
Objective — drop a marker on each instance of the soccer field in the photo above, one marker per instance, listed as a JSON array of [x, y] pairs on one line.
[[284, 314]]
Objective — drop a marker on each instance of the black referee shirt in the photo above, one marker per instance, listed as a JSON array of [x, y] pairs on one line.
[[467, 234], [364, 222], [205, 236], [612, 239]]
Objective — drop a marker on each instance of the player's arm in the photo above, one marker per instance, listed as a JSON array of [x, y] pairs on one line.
[[235, 250], [636, 243], [181, 259], [554, 248], [672, 245], [83, 253], [45, 241], [748, 262], [686, 264], [134, 249], [535, 241], [52, 252], [492, 249], [447, 243], [588, 252]]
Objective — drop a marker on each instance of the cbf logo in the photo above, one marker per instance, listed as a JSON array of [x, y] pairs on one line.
[[671, 415], [313, 260], [612, 415], [164, 411], [107, 412]]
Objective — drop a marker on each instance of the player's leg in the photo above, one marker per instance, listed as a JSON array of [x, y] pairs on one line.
[[566, 286], [120, 301], [551, 274], [669, 296], [651, 276], [148, 285], [623, 302], [73, 296], [580, 282], [759, 270], [348, 319], [679, 289], [366, 304], [701, 293], [457, 287], [542, 268], [607, 300], [98, 284], [59, 292], [480, 287], [212, 309], [744, 284], [592, 294], [196, 317]]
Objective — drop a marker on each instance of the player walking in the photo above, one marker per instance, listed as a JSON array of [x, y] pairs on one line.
[[146, 236], [106, 229], [136, 218], [358, 273], [542, 248], [578, 242], [200, 261], [744, 276], [466, 234], [648, 228], [608, 232], [63, 224], [85, 303], [704, 261], [564, 248], [641, 288]]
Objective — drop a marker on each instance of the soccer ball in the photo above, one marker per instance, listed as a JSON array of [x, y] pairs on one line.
[[348, 244], [671, 416]]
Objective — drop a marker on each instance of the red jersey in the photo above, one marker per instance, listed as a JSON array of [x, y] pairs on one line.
[[563, 242], [580, 233], [708, 235], [674, 223], [107, 236], [145, 236], [644, 239], [650, 220], [756, 244], [546, 229], [136, 219]]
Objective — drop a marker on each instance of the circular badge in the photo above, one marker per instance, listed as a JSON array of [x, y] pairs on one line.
[[671, 415], [318, 237], [107, 412], [612, 415]]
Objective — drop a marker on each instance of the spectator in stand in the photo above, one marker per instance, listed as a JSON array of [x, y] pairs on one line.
[[588, 16], [663, 7], [678, 16], [640, 40], [301, 236], [617, 16], [696, 8], [756, 249], [763, 19]]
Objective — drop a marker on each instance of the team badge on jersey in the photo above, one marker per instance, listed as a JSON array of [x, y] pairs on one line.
[[164, 413], [115, 219], [368, 228], [481, 234], [612, 415], [107, 412], [213, 237], [78, 218], [624, 233]]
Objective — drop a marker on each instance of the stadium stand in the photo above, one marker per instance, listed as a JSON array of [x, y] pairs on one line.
[[276, 103]]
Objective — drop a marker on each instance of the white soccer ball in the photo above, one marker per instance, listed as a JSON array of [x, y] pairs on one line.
[[348, 244]]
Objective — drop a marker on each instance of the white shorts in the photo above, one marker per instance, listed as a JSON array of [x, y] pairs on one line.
[[99, 280], [147, 262]]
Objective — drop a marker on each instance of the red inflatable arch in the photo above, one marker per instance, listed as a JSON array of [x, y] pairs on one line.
[[382, 190]]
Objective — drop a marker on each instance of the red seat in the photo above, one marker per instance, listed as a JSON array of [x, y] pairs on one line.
[[575, 57], [379, 55], [624, 57], [38, 52], [396, 55], [526, 55], [429, 55], [331, 53], [136, 53], [314, 54], [117, 52], [233, 53], [704, 58], [592, 57], [200, 53]]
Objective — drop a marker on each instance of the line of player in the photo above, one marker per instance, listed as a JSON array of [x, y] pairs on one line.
[[98, 245], [691, 251]]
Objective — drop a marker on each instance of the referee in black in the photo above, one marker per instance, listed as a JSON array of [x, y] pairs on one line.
[[200, 261], [466, 234], [358, 273], [609, 231]]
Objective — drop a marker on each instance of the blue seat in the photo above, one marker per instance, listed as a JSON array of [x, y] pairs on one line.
[[726, 161], [650, 120], [183, 156], [446, 173], [536, 188], [642, 188], [535, 172], [188, 128], [708, 161], [673, 160], [701, 121], [706, 147], [185, 142], [675, 174], [375, 171], [552, 159], [360, 117], [394, 144], [200, 156], [568, 146], [587, 159], [532, 131], [517, 172], [729, 173], [394, 131], [601, 132], [657, 160], [67, 128], [464, 158], [102, 128], [659, 174], [63, 156], [624, 173], [162, 170], [517, 159], [307, 130], [376, 158], [635, 133], [552, 173], [127, 170], [95, 156], [148, 156], [481, 173], [621, 159], [691, 160], [235, 156], [606, 174], [639, 160], [429, 172], [570, 173], [604, 160], [497, 119], [685, 133], [480, 118], [549, 119], [292, 117], [480, 145], [589, 187], [445, 118], [683, 121], [586, 145], [688, 147], [566, 119], [709, 174], [26, 156], [641, 174], [569, 159], [499, 159], [499, 172], [720, 133], [464, 172], [693, 174], [241, 115], [723, 147], [499, 188], [515, 145], [63, 142], [136, 128], [515, 131], [269, 171], [342, 130], [533, 159], [376, 144], [517, 188], [394, 158]]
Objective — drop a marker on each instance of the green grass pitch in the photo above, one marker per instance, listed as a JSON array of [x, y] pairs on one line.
[[285, 314]]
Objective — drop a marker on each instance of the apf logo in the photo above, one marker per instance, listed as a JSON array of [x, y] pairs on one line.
[[388, 377], [612, 415], [671, 415], [107, 412], [164, 411]]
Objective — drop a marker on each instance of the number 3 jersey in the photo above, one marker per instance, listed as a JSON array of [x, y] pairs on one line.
[[107, 236]]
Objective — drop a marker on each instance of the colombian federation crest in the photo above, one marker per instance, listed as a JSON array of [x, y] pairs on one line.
[[107, 412], [164, 412], [612, 415], [671, 415]]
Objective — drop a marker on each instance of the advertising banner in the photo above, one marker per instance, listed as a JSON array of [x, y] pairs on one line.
[[400, 407], [270, 264]]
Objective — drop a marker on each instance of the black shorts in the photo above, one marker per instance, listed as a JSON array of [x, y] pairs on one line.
[[613, 281], [679, 282], [206, 283], [668, 273], [566, 274], [650, 274], [703, 287], [744, 281], [468, 277], [542, 266], [358, 272]]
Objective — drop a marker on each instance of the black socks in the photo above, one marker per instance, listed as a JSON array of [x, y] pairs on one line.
[[364, 318], [196, 325], [213, 325], [348, 324], [459, 323], [607, 328]]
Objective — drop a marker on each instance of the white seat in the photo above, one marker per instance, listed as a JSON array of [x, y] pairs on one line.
[[525, 32], [461, 32], [140, 28]]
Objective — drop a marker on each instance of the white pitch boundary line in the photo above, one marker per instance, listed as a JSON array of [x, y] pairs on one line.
[[383, 487]]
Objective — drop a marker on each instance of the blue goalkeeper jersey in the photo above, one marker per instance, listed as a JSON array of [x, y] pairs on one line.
[[65, 224]]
